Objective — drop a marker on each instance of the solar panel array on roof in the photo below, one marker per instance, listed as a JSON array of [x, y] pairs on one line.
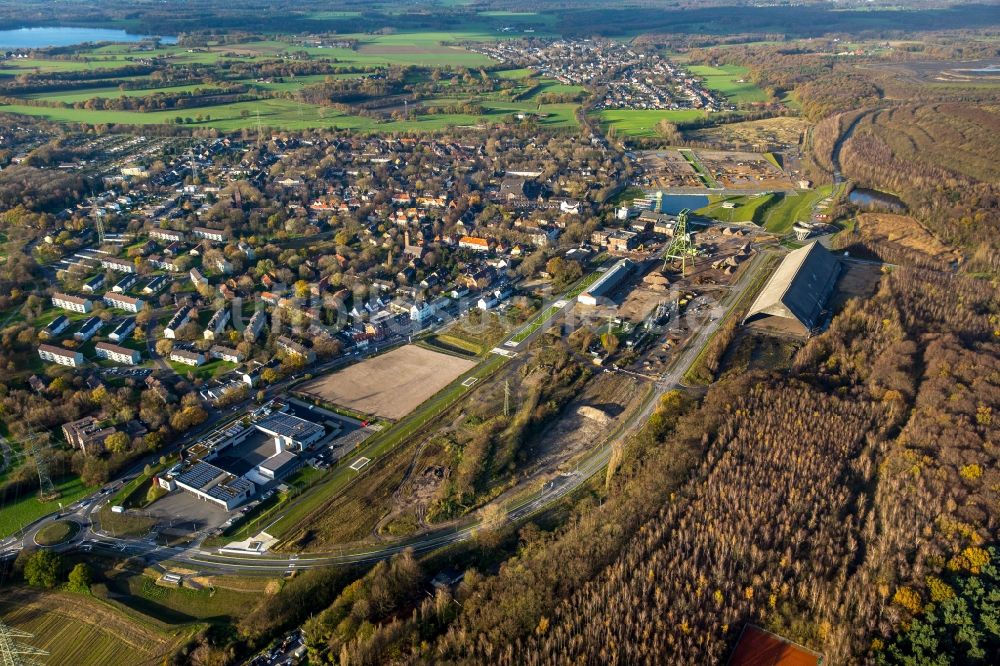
[[200, 475], [234, 487], [289, 425]]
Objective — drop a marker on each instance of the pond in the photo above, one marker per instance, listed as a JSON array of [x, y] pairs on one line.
[[675, 203], [868, 198], [37, 38]]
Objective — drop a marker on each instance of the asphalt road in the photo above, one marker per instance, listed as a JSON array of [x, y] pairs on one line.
[[266, 564]]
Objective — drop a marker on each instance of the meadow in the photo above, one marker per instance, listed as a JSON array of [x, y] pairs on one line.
[[642, 123], [730, 80], [21, 511]]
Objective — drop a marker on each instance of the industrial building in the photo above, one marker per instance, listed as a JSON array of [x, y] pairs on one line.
[[607, 283], [257, 452], [289, 431], [793, 300], [211, 484]]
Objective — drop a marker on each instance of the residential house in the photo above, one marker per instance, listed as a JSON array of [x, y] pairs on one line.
[[56, 326], [209, 234], [119, 265], [117, 354], [217, 323], [122, 330], [93, 284], [225, 353], [88, 329], [123, 302], [87, 434], [186, 357], [180, 318], [53, 354], [293, 348], [125, 283], [72, 303]]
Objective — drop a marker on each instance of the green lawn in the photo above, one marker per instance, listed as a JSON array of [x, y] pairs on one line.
[[292, 115], [18, 512], [792, 208], [204, 372], [113, 92], [641, 123], [726, 79], [748, 208]]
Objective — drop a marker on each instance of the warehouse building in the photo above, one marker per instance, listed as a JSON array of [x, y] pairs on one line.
[[211, 484], [607, 283], [793, 300]]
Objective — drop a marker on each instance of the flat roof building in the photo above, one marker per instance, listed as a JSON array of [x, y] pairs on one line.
[[87, 434], [279, 465], [793, 300], [290, 431], [215, 485]]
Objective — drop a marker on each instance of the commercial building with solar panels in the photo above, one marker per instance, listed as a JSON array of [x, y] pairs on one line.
[[212, 484], [289, 431]]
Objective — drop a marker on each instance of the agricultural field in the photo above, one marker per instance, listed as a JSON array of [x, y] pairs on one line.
[[390, 385], [642, 123], [731, 81], [83, 631]]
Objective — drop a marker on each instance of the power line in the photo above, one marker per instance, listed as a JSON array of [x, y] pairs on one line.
[[15, 653]]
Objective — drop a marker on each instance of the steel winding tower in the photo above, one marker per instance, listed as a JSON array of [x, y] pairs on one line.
[[681, 246]]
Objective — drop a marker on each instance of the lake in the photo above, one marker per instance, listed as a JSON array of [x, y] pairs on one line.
[[868, 198], [36, 38], [675, 203]]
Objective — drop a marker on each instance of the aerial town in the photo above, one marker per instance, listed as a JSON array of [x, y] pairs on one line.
[[474, 333]]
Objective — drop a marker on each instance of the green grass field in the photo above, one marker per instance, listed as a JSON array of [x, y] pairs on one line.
[[730, 80], [18, 512], [748, 208], [792, 208], [56, 533], [293, 115], [642, 123], [178, 605]]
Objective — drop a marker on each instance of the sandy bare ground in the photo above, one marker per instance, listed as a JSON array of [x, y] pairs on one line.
[[391, 385]]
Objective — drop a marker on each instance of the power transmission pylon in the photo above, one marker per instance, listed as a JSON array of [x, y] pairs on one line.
[[681, 247], [100, 229], [37, 446], [15, 653], [506, 398]]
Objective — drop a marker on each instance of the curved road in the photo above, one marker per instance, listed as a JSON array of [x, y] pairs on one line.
[[553, 490]]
